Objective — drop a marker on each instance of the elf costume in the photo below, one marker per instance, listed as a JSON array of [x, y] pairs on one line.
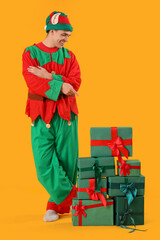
[[54, 130]]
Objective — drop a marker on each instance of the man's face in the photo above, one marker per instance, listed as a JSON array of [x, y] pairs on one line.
[[60, 37]]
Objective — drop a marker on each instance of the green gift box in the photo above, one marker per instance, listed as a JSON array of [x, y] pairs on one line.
[[92, 213], [129, 214], [111, 141], [126, 186], [87, 188], [129, 167], [96, 167]]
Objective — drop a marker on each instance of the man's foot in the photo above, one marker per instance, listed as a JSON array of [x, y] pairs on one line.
[[50, 216]]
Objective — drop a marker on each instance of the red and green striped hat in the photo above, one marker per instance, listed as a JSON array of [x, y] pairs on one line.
[[58, 21]]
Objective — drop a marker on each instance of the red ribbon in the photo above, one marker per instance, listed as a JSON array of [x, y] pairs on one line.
[[80, 210], [92, 194], [125, 168], [116, 144]]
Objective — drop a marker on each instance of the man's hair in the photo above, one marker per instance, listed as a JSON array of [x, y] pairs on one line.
[[50, 30]]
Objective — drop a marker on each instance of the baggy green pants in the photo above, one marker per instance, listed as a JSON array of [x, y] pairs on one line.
[[55, 152]]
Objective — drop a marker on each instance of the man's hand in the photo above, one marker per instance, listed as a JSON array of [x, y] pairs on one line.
[[68, 90], [40, 72]]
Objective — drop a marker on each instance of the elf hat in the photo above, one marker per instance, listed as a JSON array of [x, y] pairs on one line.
[[58, 21]]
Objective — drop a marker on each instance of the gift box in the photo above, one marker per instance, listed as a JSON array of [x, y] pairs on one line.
[[92, 213], [111, 141], [126, 186], [129, 168], [129, 214], [91, 189], [96, 167]]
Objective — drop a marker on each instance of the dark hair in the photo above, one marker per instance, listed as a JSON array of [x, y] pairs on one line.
[[50, 30]]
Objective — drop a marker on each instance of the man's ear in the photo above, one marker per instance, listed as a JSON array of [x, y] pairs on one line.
[[52, 31]]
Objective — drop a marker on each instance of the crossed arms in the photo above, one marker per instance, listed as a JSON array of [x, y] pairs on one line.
[[49, 85]]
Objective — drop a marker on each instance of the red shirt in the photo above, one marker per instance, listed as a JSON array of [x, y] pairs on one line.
[[44, 94]]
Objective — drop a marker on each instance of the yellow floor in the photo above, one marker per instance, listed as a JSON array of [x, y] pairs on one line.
[[22, 218]]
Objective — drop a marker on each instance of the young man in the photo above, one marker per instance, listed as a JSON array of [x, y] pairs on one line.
[[53, 78]]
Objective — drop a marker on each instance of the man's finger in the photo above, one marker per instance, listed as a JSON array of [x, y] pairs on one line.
[[32, 67], [74, 91], [35, 68], [40, 67], [30, 70], [77, 94], [70, 93]]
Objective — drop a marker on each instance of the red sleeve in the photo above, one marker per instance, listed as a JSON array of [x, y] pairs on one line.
[[40, 86], [74, 76]]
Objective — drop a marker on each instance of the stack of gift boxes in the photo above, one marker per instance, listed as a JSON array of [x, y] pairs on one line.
[[105, 198]]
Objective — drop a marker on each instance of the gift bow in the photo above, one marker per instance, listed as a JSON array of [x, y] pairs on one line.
[[96, 196], [117, 147], [130, 191], [123, 219], [92, 194], [79, 209], [124, 169], [98, 170]]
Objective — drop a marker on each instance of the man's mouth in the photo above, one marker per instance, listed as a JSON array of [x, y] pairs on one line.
[[62, 42]]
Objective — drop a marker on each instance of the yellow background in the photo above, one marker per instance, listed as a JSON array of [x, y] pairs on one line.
[[117, 46]]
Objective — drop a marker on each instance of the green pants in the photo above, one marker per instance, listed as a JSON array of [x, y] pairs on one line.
[[55, 152]]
